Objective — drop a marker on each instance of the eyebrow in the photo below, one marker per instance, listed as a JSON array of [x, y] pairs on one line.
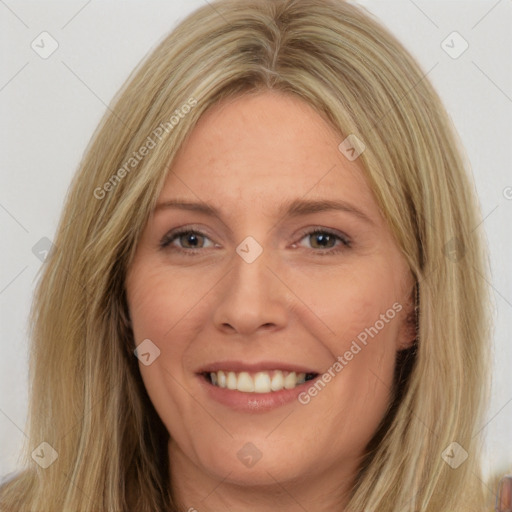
[[294, 208]]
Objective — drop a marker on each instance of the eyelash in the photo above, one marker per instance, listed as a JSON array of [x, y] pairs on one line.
[[167, 240]]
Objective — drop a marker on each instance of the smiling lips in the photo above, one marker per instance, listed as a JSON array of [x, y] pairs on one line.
[[258, 382], [254, 387]]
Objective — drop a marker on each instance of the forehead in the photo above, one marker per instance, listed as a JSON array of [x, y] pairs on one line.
[[267, 147]]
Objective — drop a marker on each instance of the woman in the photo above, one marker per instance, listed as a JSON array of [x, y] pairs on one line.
[[265, 290]]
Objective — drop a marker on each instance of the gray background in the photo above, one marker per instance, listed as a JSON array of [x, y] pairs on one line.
[[50, 106]]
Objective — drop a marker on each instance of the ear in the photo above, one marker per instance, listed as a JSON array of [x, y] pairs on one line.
[[407, 333]]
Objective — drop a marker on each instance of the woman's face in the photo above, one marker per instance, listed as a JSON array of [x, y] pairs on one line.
[[251, 298]]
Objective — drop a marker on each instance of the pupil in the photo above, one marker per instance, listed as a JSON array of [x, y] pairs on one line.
[[191, 239], [323, 239]]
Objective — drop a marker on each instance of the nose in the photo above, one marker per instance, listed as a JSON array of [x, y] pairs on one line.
[[252, 299]]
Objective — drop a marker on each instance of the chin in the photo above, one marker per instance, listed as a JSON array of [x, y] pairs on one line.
[[243, 463]]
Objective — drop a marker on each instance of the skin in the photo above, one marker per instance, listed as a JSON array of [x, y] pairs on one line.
[[293, 303]]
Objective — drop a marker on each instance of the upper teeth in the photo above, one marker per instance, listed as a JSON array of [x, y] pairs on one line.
[[260, 382]]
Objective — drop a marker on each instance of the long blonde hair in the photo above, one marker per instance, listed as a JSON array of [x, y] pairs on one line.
[[87, 398]]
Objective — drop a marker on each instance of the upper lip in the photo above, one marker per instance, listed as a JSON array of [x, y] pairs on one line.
[[241, 366]]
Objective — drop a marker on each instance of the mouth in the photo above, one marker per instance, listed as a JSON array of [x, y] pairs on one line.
[[257, 382]]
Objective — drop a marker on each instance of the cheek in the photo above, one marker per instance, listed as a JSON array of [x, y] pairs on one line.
[[162, 304], [363, 312], [357, 396], [162, 310], [363, 300]]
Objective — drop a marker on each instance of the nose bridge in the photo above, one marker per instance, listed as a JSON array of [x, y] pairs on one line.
[[252, 296]]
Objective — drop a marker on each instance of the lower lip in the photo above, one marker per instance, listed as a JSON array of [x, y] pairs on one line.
[[253, 402]]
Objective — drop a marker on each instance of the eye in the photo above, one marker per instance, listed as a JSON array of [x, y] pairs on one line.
[[188, 240], [324, 241], [191, 241]]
